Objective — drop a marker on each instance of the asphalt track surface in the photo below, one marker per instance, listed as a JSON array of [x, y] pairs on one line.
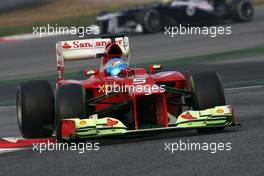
[[147, 156]]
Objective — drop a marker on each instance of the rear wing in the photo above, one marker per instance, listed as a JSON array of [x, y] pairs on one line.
[[86, 49]]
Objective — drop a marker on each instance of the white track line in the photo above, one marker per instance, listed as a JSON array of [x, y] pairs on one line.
[[7, 107], [245, 87], [28, 36], [8, 150]]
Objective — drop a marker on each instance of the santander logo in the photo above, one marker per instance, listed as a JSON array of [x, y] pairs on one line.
[[66, 46], [87, 44], [77, 44]]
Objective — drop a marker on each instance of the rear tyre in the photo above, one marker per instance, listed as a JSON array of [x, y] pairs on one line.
[[241, 10], [70, 102], [152, 21], [207, 92], [35, 109]]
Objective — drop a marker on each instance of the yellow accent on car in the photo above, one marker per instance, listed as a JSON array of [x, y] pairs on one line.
[[83, 122]]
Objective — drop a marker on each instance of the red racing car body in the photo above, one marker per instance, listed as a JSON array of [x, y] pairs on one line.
[[137, 98]]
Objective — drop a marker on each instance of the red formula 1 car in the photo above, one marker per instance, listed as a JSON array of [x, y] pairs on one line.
[[132, 101]]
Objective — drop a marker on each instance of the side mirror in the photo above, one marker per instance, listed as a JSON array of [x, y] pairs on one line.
[[155, 67], [89, 72]]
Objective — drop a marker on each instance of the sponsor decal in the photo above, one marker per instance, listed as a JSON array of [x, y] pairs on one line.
[[66, 45], [111, 122], [115, 63], [77, 44], [220, 111], [88, 44], [83, 122], [104, 43], [188, 116], [139, 81]]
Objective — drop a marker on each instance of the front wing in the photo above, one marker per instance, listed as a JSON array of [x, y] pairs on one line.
[[220, 116]]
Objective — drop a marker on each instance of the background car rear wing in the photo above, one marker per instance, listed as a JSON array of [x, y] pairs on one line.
[[73, 50]]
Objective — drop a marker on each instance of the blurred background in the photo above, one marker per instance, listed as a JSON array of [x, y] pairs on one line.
[[18, 16]]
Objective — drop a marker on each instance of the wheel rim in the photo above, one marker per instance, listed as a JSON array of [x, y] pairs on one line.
[[247, 10], [154, 21]]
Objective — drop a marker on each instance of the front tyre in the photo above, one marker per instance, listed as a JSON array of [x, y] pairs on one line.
[[70, 102], [241, 10], [207, 92], [35, 109]]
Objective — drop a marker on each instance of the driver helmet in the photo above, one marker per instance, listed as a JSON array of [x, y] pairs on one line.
[[114, 66]]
